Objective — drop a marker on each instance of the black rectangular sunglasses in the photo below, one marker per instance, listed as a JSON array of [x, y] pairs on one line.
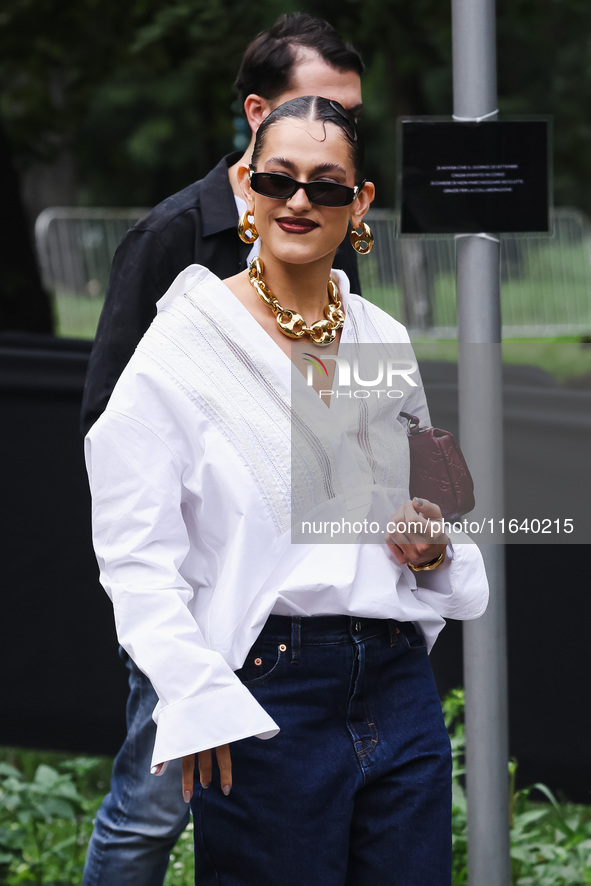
[[282, 187]]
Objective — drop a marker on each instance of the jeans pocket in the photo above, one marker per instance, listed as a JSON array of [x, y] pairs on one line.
[[263, 661]]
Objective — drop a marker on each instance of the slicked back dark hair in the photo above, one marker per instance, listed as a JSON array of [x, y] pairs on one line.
[[268, 62], [314, 108]]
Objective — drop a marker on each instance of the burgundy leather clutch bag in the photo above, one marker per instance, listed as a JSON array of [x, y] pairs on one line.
[[438, 469]]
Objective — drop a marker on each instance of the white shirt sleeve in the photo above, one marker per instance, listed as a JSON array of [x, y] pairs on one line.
[[141, 541], [459, 587]]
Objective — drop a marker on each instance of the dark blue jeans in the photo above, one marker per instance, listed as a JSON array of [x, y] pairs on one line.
[[356, 788]]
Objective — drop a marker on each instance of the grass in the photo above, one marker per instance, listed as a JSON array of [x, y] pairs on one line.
[[545, 286], [48, 801], [77, 316], [564, 357], [541, 305]]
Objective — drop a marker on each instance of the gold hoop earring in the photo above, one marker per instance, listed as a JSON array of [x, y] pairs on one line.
[[362, 239], [246, 228]]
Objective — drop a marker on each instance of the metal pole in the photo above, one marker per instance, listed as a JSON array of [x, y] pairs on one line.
[[480, 412]]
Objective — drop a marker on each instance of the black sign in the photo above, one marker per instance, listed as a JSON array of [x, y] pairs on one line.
[[469, 178]]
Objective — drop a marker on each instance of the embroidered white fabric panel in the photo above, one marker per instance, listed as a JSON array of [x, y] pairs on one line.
[[299, 458], [237, 393]]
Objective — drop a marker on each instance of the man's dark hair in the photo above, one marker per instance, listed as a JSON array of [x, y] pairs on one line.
[[268, 62]]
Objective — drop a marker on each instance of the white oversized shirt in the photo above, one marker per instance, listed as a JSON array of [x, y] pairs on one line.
[[190, 468]]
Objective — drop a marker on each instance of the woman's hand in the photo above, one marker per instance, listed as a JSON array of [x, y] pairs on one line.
[[205, 766], [416, 533]]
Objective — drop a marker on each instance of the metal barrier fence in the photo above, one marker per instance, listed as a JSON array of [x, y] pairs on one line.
[[75, 248], [546, 281]]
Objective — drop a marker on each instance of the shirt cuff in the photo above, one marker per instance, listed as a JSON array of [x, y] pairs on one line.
[[207, 721]]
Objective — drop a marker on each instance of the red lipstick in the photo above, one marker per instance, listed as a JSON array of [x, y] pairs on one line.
[[292, 225]]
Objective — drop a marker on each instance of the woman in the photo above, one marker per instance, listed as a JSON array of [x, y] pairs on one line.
[[222, 437]]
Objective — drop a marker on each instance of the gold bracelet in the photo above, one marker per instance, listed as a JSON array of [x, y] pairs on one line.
[[432, 564]]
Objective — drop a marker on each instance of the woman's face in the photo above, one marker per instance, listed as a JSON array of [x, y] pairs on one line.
[[295, 229]]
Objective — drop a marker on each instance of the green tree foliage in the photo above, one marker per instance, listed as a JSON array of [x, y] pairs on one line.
[[141, 92], [407, 51], [167, 104], [545, 68]]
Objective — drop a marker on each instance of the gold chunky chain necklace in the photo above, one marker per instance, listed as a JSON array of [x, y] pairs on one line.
[[292, 324]]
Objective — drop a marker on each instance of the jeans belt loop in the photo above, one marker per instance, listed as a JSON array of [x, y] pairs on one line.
[[394, 631], [296, 639]]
